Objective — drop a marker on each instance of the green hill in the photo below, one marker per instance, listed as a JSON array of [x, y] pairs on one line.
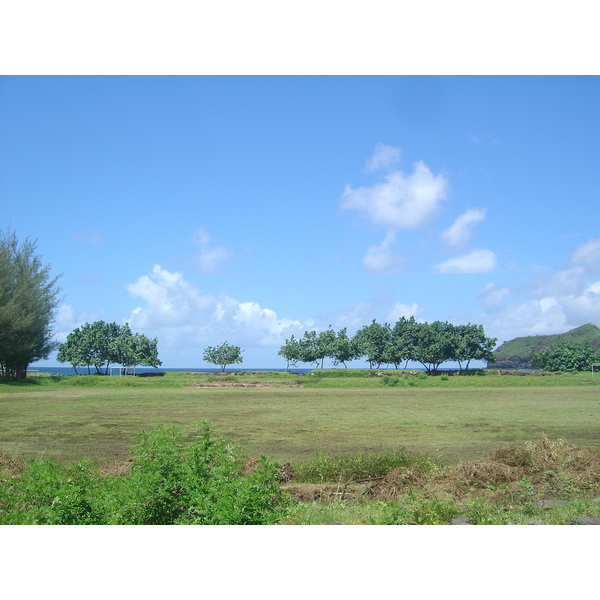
[[515, 353]]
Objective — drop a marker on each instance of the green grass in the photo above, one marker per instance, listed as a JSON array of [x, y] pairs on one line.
[[339, 428], [457, 419]]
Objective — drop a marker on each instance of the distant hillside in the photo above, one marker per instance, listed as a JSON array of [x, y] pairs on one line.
[[515, 354]]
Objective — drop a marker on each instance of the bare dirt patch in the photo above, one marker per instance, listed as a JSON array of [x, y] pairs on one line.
[[240, 384]]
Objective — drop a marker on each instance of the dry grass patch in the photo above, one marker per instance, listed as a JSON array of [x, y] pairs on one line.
[[11, 465]]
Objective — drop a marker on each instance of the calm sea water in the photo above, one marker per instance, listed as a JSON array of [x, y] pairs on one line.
[[82, 371]]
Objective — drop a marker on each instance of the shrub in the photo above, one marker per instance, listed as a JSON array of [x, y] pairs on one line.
[[168, 482], [201, 483], [357, 466]]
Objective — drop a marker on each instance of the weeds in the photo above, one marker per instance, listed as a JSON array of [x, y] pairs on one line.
[[169, 482], [357, 467]]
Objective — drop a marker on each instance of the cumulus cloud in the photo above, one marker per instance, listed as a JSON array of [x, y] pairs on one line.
[[170, 300], [211, 257], [67, 319], [475, 261], [186, 318], [552, 302], [384, 157], [534, 317], [459, 233], [404, 310], [584, 307], [402, 201], [382, 259]]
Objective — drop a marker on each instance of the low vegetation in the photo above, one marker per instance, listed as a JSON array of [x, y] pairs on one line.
[[348, 446], [544, 481], [166, 482]]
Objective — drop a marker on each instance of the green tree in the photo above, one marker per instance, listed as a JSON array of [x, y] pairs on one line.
[[291, 352], [374, 342], [28, 300], [308, 348], [100, 344], [343, 349], [92, 344], [223, 355], [564, 356], [472, 344], [316, 347], [402, 341], [434, 344], [134, 349], [325, 345]]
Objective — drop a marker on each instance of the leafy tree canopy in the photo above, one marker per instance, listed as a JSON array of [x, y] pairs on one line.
[[565, 356], [101, 344], [223, 355]]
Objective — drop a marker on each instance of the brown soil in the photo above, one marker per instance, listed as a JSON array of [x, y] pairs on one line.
[[246, 384]]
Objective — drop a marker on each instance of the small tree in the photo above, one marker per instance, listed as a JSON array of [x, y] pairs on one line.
[[343, 348], [402, 341], [133, 349], [223, 355], [291, 352], [472, 344], [373, 342], [308, 348], [434, 344]]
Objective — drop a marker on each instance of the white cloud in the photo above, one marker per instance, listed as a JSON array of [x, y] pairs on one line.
[[170, 300], [184, 318], [492, 296], [384, 157], [584, 307], [67, 319], [587, 255], [535, 317], [400, 202], [458, 234], [563, 282], [360, 314], [475, 261], [551, 302], [263, 323], [404, 310], [382, 260], [210, 258]]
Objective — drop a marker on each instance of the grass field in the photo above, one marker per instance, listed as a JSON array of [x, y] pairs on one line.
[[486, 447], [449, 419]]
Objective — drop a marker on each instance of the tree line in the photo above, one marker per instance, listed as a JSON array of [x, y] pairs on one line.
[[430, 344], [101, 344]]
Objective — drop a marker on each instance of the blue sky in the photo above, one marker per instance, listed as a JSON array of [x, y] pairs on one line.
[[249, 208]]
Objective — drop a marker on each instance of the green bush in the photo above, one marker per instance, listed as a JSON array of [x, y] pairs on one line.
[[355, 467], [169, 482]]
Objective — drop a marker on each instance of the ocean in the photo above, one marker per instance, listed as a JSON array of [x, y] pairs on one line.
[[115, 370]]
